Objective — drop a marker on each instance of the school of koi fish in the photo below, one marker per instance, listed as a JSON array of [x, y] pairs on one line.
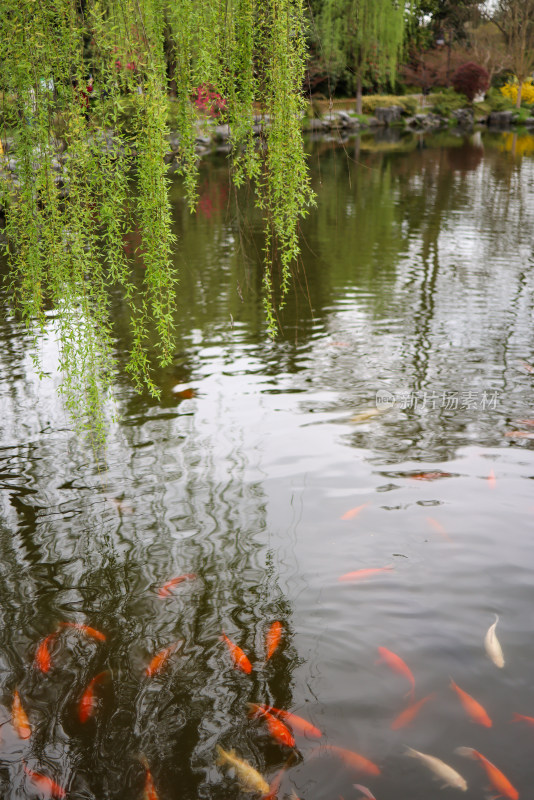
[[283, 726]]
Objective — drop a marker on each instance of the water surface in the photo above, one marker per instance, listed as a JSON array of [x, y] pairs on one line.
[[416, 282]]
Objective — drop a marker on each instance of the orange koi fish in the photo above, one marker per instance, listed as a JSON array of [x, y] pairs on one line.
[[438, 527], [399, 666], [277, 729], [407, 716], [43, 661], [520, 434], [185, 394], [149, 792], [525, 422], [359, 574], [298, 724], [44, 784], [160, 659], [353, 512], [165, 590], [522, 718], [274, 786], [429, 476], [473, 708], [364, 790], [498, 780], [19, 719], [351, 759], [92, 632], [273, 638], [240, 659], [88, 701], [492, 480]]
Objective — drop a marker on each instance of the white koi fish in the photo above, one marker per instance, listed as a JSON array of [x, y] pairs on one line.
[[249, 778], [492, 645], [447, 774]]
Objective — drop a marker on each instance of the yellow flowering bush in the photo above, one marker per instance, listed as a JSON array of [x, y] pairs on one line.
[[527, 93]]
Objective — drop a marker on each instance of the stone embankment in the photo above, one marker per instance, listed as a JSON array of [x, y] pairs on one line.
[[216, 138]]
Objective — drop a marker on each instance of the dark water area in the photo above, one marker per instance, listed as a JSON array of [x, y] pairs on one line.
[[268, 470]]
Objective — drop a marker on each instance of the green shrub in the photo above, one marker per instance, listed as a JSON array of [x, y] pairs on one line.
[[447, 101], [497, 101], [373, 101]]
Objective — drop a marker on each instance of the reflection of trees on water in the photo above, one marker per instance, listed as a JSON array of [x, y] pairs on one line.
[[431, 294], [409, 262], [71, 554]]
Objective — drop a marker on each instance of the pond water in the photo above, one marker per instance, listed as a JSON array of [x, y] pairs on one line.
[[266, 472]]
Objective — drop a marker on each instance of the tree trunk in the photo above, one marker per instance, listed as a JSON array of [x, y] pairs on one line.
[[359, 94], [519, 91]]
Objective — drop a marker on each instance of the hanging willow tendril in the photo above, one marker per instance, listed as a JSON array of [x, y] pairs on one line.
[[75, 183]]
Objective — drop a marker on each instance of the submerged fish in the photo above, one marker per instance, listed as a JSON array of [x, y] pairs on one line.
[[92, 632], [184, 394], [277, 729], [43, 660], [351, 759], [407, 716], [359, 574], [522, 718], [367, 413], [149, 790], [165, 590], [498, 780], [438, 527], [429, 476], [520, 434], [87, 703], [365, 791], [44, 784], [492, 480], [474, 710], [298, 724], [248, 777], [447, 774], [397, 664], [19, 718], [274, 635], [353, 512], [492, 645], [160, 659], [239, 658], [122, 508]]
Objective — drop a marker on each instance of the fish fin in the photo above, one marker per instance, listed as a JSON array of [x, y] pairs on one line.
[[220, 755], [254, 711], [409, 751], [469, 752]]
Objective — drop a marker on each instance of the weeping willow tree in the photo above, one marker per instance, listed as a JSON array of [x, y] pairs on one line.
[[67, 195], [362, 38]]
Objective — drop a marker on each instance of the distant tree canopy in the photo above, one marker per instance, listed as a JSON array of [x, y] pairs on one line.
[[65, 232], [362, 39]]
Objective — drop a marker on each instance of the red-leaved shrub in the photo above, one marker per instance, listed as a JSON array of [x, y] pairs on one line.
[[470, 79]]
